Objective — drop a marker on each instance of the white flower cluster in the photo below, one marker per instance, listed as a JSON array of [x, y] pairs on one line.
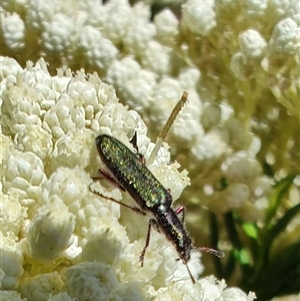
[[238, 61], [246, 57], [60, 241]]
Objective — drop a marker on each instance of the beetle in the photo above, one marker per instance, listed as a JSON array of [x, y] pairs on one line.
[[128, 171]]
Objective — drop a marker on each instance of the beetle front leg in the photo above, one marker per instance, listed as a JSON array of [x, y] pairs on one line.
[[152, 223]]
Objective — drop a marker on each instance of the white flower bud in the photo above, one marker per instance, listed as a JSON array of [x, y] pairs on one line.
[[120, 72], [236, 195], [286, 37], [166, 26], [69, 185], [57, 34], [157, 58], [211, 115], [91, 281], [98, 50], [199, 16], [36, 140], [12, 214], [189, 78], [63, 117], [73, 149], [40, 13], [20, 108], [252, 44], [11, 296], [235, 294], [232, 170], [23, 174], [50, 231], [255, 8], [41, 286], [118, 16], [11, 263], [13, 31]]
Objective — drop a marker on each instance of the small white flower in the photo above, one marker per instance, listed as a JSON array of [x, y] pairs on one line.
[[96, 14], [104, 242], [236, 195], [20, 108], [166, 27], [98, 50], [252, 44], [285, 38], [9, 68], [120, 72], [208, 148], [137, 36], [129, 267], [112, 119], [50, 231], [195, 266], [91, 281], [73, 149], [11, 263], [186, 127], [56, 37], [34, 139], [13, 32], [41, 286], [235, 294], [63, 117], [74, 250], [69, 185], [294, 11], [255, 8], [189, 78], [157, 58], [278, 8], [64, 296], [199, 16], [40, 13], [131, 291], [211, 115], [253, 212], [118, 17], [232, 170], [12, 214], [138, 90], [212, 288], [23, 174], [165, 96], [239, 138], [11, 296]]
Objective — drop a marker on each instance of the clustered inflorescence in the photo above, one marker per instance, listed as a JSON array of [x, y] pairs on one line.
[[239, 63], [59, 240]]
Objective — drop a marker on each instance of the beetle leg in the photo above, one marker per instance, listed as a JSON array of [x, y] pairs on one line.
[[180, 210], [133, 208], [108, 177], [133, 141], [152, 223]]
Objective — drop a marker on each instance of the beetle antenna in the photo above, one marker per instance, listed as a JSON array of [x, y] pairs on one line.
[[162, 135], [212, 251]]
